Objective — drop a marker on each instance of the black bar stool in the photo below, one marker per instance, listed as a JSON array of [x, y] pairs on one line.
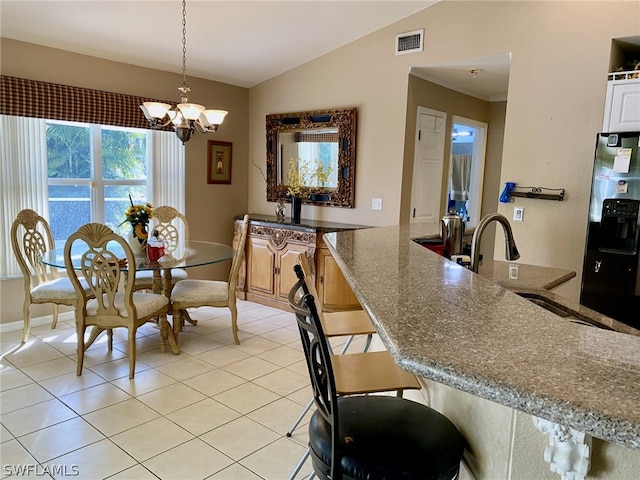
[[369, 437]]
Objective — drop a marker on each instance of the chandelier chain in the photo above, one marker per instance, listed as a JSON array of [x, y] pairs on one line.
[[184, 41], [184, 88]]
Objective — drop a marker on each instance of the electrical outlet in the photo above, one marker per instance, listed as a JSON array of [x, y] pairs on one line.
[[376, 204], [513, 272], [518, 214]]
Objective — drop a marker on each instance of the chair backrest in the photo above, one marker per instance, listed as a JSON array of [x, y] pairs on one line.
[[310, 278], [96, 245], [238, 257], [318, 357], [30, 238], [172, 226]]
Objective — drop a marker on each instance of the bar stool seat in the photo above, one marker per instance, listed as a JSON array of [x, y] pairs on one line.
[[387, 437]]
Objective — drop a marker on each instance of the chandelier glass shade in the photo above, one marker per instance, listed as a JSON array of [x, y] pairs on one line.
[[186, 117]]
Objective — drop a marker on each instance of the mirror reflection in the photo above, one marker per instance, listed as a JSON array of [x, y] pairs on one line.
[[312, 155]]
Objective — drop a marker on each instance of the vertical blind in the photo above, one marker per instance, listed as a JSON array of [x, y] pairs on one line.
[[23, 176]]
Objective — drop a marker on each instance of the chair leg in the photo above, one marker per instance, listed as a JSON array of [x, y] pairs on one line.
[[54, 322], [187, 317], [26, 315], [300, 464], [95, 331], [132, 351], [299, 419], [234, 321], [178, 316], [81, 348]]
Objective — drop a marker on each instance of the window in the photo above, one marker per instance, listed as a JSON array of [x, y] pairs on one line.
[[74, 173], [92, 170]]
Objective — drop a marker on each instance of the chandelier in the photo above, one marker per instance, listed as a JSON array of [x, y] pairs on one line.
[[186, 117]]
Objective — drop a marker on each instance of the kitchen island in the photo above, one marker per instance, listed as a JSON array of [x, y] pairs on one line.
[[462, 330]]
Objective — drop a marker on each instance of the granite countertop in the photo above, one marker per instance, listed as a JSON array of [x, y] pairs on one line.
[[445, 323]]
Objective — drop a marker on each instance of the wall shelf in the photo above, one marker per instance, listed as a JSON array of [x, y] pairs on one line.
[[541, 193]]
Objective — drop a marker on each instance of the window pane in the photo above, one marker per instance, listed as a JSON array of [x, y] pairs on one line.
[[116, 203], [69, 208], [123, 154], [68, 151]]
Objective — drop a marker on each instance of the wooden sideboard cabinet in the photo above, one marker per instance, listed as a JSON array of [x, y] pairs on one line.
[[272, 250], [333, 289]]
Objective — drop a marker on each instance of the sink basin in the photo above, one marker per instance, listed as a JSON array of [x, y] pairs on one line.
[[434, 244], [560, 310]]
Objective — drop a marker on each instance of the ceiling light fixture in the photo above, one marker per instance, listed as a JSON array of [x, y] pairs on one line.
[[186, 117], [475, 71]]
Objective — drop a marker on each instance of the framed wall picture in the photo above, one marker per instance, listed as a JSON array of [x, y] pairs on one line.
[[219, 162]]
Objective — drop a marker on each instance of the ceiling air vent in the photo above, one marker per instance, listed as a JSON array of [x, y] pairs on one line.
[[409, 42]]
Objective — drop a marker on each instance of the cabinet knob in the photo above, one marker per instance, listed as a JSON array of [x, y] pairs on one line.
[[321, 279]]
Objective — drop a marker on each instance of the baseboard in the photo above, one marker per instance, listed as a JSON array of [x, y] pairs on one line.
[[36, 322]]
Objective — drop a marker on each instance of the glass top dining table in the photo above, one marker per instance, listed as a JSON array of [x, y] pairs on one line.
[[193, 253], [188, 254]]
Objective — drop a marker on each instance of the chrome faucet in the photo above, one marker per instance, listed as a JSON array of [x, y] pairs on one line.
[[510, 244]]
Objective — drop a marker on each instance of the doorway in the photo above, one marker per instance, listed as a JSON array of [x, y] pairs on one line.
[[466, 168]]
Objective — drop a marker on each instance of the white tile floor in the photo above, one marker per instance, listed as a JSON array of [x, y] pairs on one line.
[[216, 411]]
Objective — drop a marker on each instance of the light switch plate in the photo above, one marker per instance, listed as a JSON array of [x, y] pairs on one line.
[[376, 204], [518, 214]]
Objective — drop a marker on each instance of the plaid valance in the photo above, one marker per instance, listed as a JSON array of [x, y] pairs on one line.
[[31, 98], [316, 137]]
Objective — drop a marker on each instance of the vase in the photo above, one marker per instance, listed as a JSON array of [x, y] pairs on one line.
[[137, 244], [280, 210], [296, 208]]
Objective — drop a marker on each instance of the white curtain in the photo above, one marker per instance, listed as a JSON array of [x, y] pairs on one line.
[[23, 178], [167, 170], [167, 173], [460, 177]]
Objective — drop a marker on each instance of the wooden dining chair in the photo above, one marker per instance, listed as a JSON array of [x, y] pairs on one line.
[[30, 237], [211, 293], [173, 229], [355, 373], [112, 302], [368, 436]]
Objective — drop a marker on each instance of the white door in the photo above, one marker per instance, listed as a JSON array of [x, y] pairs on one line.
[[428, 164]]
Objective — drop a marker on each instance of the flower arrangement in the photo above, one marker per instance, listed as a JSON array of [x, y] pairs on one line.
[[138, 216], [298, 178]]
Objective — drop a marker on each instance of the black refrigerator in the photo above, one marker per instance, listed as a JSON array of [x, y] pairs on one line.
[[610, 282]]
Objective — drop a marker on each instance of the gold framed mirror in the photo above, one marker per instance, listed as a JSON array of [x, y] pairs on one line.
[[319, 148]]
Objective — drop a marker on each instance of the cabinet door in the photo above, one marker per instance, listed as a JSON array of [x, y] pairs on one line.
[[621, 106], [333, 289], [261, 263], [287, 277]]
